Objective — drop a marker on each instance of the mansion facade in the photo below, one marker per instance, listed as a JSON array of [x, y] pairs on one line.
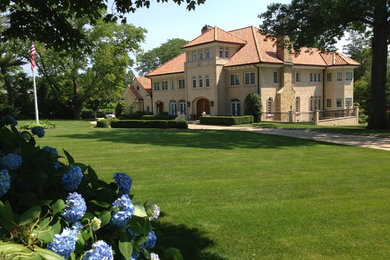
[[218, 69]]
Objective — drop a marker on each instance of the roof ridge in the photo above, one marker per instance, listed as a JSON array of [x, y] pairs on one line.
[[197, 37], [164, 64], [255, 39], [322, 57], [242, 28], [234, 35]]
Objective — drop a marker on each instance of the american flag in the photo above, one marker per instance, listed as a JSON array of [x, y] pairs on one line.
[[32, 56]]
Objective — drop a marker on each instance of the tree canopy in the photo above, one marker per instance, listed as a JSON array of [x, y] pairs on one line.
[[50, 21], [319, 23], [154, 58]]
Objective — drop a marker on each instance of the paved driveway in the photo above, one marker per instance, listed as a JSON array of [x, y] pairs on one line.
[[382, 143]]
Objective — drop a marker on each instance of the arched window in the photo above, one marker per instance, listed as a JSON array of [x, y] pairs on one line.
[[235, 107], [172, 108], [269, 105], [297, 104]]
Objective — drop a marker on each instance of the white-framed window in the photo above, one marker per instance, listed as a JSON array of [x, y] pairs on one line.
[[329, 76], [297, 77], [172, 108], [207, 54], [269, 105], [193, 82], [348, 102], [311, 104], [226, 52], [348, 75], [275, 77], [201, 82], [164, 85], [339, 76], [207, 79], [182, 107], [221, 52], [156, 85], [297, 104], [181, 84], [173, 85], [235, 107], [234, 80], [194, 56], [329, 102], [250, 78], [339, 102]]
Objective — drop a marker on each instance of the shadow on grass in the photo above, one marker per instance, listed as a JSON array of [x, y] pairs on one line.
[[209, 139], [190, 241]]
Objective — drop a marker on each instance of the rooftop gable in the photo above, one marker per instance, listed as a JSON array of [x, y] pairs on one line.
[[175, 65], [215, 34]]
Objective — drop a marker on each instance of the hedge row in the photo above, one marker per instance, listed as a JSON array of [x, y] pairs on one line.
[[149, 124], [158, 117], [226, 120]]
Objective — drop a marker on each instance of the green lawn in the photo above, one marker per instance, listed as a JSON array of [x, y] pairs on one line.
[[356, 130], [241, 195]]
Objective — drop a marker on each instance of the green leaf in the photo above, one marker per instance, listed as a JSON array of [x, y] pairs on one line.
[[173, 253], [30, 215], [17, 251], [105, 217], [58, 206], [139, 210], [56, 228], [48, 254], [125, 244], [101, 204], [139, 225], [69, 157], [45, 236]]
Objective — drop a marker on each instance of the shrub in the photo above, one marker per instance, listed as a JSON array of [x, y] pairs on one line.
[[226, 120], [182, 124], [87, 114], [44, 123], [158, 117], [103, 123], [55, 210], [253, 106], [119, 109]]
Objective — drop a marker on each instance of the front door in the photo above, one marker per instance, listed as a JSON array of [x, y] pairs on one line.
[[202, 105], [160, 107]]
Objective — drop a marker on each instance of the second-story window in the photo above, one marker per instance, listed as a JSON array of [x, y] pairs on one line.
[[227, 53], [173, 85], [156, 85], [234, 80], [207, 79], [164, 85], [276, 78], [181, 84], [194, 56], [201, 55], [329, 76], [207, 54], [200, 82], [193, 82], [249, 78], [348, 76], [339, 76], [297, 77], [221, 52]]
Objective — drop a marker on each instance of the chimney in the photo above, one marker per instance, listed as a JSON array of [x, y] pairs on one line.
[[284, 48], [206, 28]]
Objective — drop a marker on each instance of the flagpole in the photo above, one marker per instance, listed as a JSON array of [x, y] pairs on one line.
[[35, 99]]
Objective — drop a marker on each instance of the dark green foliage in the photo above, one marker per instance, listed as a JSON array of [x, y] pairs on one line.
[[44, 123], [87, 114], [103, 123], [158, 117], [226, 120], [119, 109], [253, 106], [182, 124]]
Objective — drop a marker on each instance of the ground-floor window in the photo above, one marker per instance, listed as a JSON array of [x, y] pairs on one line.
[[172, 108], [339, 102], [182, 107], [348, 102], [297, 104], [329, 102], [235, 107], [269, 105], [311, 104]]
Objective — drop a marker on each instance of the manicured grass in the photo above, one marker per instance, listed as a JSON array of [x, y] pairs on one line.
[[356, 130], [241, 195]]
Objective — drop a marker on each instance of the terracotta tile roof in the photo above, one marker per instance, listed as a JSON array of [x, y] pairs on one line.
[[145, 83], [135, 92], [338, 59], [215, 35], [175, 65], [308, 56]]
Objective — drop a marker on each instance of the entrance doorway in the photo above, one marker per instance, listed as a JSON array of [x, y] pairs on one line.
[[160, 107], [202, 105]]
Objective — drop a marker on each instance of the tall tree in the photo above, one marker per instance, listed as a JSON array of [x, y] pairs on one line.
[[49, 21], [80, 75], [154, 58], [321, 22]]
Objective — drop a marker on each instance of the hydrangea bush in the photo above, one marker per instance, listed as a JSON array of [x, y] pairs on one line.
[[55, 210]]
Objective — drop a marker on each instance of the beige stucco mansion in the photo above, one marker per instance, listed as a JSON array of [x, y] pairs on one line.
[[219, 69]]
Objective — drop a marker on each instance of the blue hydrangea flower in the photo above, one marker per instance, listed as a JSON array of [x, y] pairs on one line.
[[11, 161], [9, 120], [100, 251], [57, 165], [154, 256], [134, 255], [71, 179], [152, 238], [65, 243], [75, 208], [124, 182], [126, 210], [5, 182], [50, 150], [38, 131], [77, 226]]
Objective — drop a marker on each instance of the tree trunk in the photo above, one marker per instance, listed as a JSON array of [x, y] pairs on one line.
[[8, 85], [75, 101], [378, 118]]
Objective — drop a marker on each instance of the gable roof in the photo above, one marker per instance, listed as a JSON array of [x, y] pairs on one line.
[[145, 83], [175, 65], [135, 92], [215, 34]]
